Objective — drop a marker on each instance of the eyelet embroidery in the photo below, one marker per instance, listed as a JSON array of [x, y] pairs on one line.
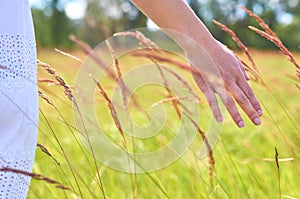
[[14, 185], [17, 61], [18, 69]]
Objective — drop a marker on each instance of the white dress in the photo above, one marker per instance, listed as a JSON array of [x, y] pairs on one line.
[[18, 97]]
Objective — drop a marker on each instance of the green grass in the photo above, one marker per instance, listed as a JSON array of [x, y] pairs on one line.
[[244, 158]]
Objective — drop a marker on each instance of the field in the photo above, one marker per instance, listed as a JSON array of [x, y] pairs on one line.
[[245, 162]]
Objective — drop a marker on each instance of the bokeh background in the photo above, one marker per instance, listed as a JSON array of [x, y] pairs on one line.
[[95, 20]]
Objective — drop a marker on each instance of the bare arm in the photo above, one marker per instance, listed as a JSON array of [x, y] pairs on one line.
[[176, 15]]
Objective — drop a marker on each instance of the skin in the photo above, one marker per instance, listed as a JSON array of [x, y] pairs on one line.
[[177, 16]]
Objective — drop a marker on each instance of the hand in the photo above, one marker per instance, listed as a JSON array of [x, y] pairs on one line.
[[220, 72], [217, 66]]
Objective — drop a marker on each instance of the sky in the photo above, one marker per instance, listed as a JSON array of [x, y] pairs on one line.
[[75, 9]]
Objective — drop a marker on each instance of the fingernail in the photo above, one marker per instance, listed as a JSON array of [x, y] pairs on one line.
[[247, 77], [241, 124], [219, 119], [259, 112], [257, 121]]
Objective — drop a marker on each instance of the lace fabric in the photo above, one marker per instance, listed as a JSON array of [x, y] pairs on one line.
[[18, 138], [17, 61], [13, 185], [18, 97], [18, 112]]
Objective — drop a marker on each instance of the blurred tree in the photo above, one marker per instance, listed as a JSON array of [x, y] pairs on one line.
[[52, 25], [60, 24], [42, 28], [105, 17], [290, 33], [228, 13]]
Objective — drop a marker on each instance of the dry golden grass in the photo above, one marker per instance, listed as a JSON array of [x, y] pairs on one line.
[[59, 79], [36, 177], [270, 35]]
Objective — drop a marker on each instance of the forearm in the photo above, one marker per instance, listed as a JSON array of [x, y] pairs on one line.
[[176, 15]]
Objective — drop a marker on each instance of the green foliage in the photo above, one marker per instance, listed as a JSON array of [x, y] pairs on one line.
[[271, 12], [52, 27], [105, 17], [291, 33]]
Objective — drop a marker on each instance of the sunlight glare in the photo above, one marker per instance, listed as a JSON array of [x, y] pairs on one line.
[[75, 10]]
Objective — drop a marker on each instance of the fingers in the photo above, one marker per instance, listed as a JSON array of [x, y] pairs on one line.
[[210, 97], [240, 92], [213, 103], [250, 95], [247, 77], [231, 108], [244, 101]]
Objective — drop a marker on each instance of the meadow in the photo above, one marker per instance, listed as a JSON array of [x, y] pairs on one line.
[[246, 162], [253, 162]]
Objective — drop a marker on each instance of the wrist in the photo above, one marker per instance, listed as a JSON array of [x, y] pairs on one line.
[[200, 43]]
